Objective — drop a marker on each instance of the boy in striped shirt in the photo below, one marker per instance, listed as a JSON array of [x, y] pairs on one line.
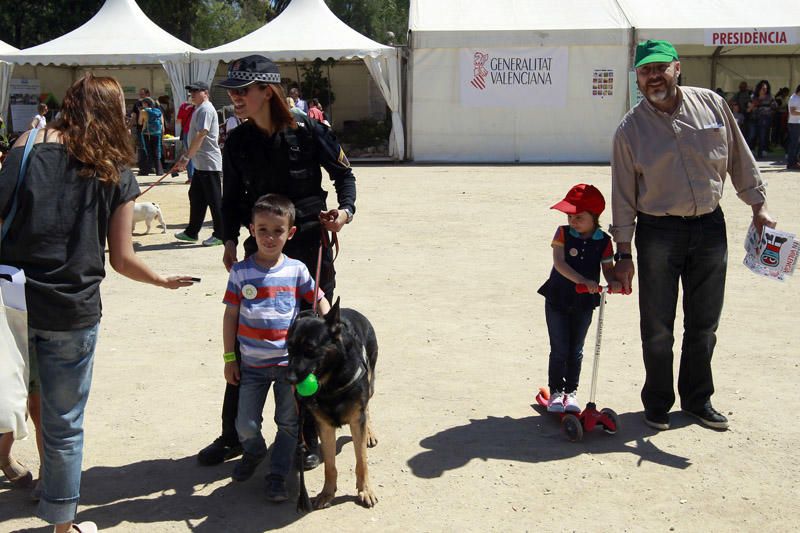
[[263, 298]]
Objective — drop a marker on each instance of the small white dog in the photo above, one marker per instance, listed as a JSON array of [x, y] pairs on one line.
[[147, 211]]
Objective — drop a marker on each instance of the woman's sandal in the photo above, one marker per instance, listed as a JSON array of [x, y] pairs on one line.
[[85, 527], [15, 472]]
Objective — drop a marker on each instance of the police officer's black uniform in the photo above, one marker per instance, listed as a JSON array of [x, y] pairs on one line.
[[288, 163]]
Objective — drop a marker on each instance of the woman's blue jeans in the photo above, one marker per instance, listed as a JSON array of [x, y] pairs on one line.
[[65, 369], [253, 388], [762, 128], [567, 330], [694, 252]]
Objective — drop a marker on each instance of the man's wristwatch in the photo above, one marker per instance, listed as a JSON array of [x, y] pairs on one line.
[[349, 215], [620, 256]]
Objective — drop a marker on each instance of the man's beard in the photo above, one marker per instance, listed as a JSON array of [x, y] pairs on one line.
[[658, 96]]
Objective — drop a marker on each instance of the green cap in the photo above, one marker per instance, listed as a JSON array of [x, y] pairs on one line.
[[652, 51]]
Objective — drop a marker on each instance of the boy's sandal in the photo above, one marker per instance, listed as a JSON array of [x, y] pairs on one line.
[[85, 527], [15, 472]]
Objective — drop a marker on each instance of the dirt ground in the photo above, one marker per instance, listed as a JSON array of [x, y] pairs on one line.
[[446, 262]]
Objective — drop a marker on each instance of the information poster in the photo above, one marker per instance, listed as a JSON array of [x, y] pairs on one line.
[[603, 82], [513, 78], [23, 99]]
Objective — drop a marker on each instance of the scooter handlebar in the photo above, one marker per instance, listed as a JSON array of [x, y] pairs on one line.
[[580, 288]]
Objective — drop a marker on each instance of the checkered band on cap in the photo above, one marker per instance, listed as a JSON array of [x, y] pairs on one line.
[[266, 77]]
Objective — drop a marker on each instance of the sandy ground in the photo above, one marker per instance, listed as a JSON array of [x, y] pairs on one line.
[[446, 262]]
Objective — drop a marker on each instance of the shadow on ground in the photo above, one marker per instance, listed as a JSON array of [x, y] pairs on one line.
[[174, 490], [530, 440]]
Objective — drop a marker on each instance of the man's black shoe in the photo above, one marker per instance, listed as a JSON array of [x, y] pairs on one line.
[[217, 452], [246, 466], [276, 488], [656, 420], [710, 417], [311, 459]]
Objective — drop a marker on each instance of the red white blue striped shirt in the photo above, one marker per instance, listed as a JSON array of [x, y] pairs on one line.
[[268, 302]]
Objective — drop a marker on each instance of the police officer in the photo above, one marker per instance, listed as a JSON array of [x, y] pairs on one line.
[[276, 151]]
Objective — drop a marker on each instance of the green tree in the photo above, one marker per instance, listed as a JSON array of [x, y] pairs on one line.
[[26, 23], [374, 18]]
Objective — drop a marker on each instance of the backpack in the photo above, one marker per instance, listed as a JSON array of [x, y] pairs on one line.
[[153, 126]]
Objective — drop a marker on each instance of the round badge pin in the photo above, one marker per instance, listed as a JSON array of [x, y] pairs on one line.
[[573, 252], [249, 291]]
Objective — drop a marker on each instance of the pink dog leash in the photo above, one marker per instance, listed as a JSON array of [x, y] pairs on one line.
[[154, 184]]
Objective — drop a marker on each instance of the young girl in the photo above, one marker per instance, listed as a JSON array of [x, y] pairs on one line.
[[579, 250]]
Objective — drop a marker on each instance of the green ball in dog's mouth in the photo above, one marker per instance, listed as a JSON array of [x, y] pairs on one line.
[[308, 387]]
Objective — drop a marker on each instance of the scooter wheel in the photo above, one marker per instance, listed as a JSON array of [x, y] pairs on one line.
[[614, 419], [572, 428]]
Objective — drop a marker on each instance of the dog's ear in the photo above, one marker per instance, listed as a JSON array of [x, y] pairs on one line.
[[332, 320]]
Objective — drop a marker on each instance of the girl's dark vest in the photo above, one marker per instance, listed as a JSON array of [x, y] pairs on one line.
[[560, 291]]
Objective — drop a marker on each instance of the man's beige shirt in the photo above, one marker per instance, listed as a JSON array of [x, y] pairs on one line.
[[676, 164]]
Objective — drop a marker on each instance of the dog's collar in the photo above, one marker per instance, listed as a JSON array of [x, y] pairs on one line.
[[359, 373]]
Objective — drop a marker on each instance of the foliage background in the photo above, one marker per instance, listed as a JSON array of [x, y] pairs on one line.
[[201, 23]]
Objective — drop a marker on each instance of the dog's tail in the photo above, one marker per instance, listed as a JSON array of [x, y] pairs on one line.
[[303, 501]]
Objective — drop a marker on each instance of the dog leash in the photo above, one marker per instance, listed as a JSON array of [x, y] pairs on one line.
[[154, 184], [325, 241], [303, 501]]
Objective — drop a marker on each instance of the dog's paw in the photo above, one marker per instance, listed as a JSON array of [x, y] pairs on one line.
[[367, 497], [372, 439], [323, 500]]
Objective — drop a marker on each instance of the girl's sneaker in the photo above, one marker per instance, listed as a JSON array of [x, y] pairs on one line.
[[556, 403], [571, 404]]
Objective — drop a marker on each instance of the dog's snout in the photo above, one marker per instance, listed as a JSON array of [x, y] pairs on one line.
[[291, 377]]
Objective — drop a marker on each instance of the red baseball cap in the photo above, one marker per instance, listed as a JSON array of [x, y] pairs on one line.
[[582, 197]]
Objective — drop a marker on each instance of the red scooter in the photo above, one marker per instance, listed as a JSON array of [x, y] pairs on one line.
[[575, 424]]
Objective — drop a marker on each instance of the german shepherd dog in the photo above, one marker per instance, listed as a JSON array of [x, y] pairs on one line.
[[341, 350]]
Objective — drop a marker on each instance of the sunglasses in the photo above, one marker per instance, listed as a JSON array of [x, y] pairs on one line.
[[242, 91]]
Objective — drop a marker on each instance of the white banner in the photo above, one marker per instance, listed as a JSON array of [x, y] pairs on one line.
[[515, 77], [751, 37]]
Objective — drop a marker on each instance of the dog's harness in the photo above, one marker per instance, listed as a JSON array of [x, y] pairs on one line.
[[362, 368]]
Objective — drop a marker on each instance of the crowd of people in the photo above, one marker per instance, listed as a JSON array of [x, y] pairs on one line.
[[766, 120]]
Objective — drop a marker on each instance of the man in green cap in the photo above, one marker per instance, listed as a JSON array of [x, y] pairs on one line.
[[671, 155]]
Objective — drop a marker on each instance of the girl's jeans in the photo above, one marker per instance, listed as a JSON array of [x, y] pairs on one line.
[[65, 369], [567, 330]]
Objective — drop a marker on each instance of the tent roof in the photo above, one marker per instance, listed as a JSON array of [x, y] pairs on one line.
[[305, 30], [454, 23], [7, 48], [119, 34], [684, 22]]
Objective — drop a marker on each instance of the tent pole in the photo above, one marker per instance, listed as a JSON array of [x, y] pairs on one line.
[[297, 72], [330, 102], [714, 59]]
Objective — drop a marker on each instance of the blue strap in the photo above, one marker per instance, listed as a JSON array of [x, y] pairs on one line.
[[23, 166]]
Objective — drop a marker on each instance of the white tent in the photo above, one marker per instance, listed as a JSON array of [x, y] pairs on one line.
[[721, 42], [307, 30], [6, 69], [516, 80], [119, 34]]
